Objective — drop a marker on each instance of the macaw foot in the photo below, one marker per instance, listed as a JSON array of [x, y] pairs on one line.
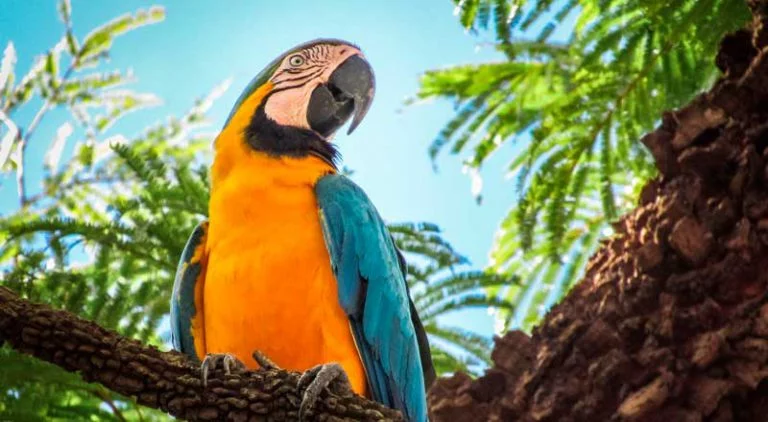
[[330, 376], [263, 361], [227, 361]]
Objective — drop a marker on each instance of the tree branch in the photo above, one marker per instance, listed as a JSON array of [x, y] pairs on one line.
[[168, 381]]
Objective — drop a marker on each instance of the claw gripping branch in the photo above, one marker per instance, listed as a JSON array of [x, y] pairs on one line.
[[168, 381]]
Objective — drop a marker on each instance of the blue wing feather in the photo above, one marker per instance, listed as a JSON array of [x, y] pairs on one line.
[[183, 297], [372, 291]]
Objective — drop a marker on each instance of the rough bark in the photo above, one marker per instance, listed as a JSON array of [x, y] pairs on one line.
[[168, 381], [670, 322]]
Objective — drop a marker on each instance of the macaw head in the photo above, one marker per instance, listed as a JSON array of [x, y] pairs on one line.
[[296, 105]]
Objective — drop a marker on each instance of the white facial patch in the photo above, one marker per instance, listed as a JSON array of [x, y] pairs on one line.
[[297, 76], [289, 107]]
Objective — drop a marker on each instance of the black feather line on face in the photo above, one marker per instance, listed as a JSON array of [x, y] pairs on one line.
[[265, 135], [269, 71]]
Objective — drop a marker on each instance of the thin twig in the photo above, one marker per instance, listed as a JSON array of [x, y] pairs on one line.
[[24, 140], [104, 396], [138, 411]]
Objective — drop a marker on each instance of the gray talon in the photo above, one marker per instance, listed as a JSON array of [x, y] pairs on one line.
[[228, 361], [330, 376], [263, 361]]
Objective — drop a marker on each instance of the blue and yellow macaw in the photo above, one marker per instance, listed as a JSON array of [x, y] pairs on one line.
[[295, 262]]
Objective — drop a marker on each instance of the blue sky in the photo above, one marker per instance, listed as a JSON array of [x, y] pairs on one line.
[[202, 43]]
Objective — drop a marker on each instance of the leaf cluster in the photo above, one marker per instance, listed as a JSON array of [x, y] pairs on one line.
[[579, 82], [440, 284]]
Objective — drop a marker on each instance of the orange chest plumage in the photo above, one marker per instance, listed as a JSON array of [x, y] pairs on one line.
[[269, 285]]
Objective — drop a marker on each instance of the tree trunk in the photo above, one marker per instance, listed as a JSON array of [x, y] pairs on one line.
[[670, 322]]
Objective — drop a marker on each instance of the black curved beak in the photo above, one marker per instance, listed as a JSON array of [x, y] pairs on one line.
[[349, 91]]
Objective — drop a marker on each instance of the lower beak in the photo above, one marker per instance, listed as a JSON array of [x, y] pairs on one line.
[[348, 93]]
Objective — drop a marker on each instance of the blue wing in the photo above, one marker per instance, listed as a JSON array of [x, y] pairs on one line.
[[189, 275], [373, 293]]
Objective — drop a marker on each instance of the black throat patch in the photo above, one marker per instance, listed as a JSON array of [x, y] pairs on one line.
[[265, 135]]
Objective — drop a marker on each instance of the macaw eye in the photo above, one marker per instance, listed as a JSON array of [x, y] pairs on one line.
[[296, 60]]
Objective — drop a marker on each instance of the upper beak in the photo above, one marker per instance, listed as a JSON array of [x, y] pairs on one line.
[[348, 92], [355, 79]]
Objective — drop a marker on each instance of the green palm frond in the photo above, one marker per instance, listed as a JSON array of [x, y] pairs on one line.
[[103, 236], [446, 360], [440, 285], [463, 349], [573, 99]]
